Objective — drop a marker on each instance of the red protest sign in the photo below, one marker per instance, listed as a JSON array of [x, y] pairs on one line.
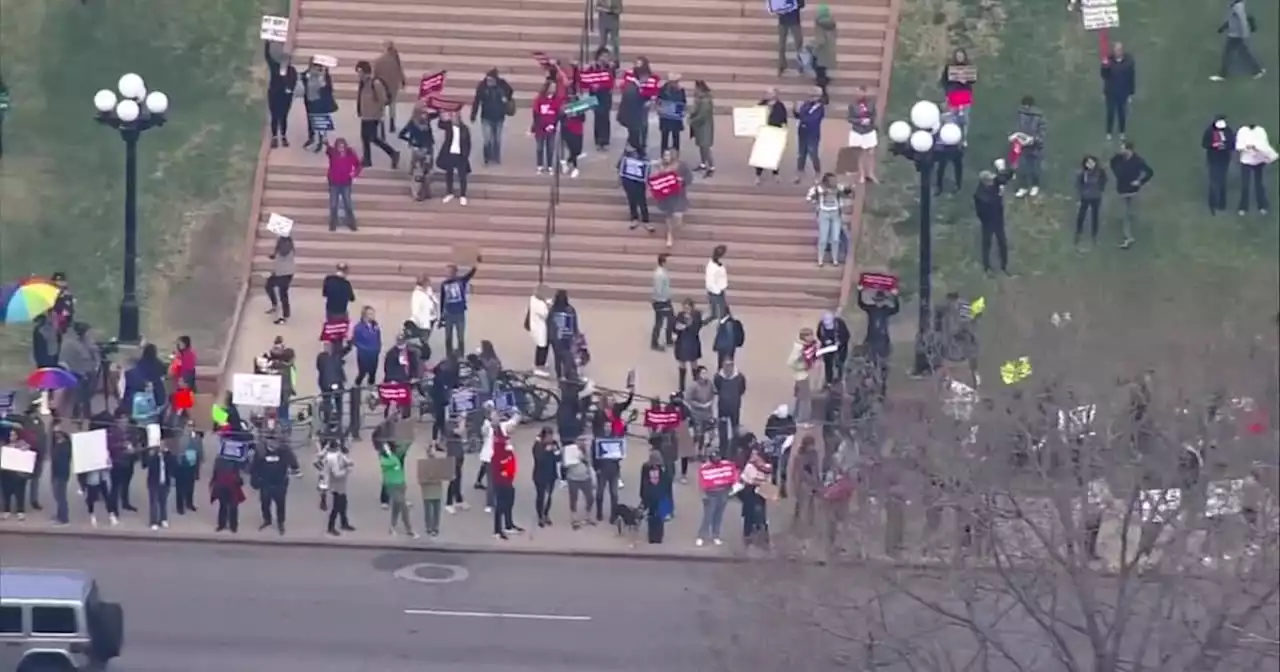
[[661, 419], [717, 475], [396, 394], [439, 103], [542, 58], [665, 185], [431, 83], [596, 79], [881, 281], [335, 330]]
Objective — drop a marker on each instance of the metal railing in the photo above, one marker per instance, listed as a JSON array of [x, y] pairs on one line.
[[553, 199]]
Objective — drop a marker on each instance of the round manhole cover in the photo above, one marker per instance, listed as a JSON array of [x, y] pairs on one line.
[[430, 572]]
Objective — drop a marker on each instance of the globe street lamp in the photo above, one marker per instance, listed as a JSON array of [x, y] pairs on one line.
[[134, 111], [917, 141]]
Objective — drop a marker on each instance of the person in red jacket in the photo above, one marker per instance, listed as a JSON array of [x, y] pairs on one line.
[[546, 115], [344, 167], [571, 132], [183, 365], [502, 469], [599, 79]]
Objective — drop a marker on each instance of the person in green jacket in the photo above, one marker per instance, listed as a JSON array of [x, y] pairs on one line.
[[702, 125], [391, 461], [824, 47]]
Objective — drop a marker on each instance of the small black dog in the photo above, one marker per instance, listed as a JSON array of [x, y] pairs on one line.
[[628, 519]]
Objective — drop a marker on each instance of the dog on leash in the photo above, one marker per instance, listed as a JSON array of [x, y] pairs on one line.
[[628, 519]]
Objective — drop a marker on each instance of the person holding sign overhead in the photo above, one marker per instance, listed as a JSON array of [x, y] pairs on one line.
[[958, 78], [453, 307], [282, 79], [633, 175], [777, 118], [671, 106]]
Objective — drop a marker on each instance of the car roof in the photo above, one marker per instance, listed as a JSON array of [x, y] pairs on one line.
[[44, 584]]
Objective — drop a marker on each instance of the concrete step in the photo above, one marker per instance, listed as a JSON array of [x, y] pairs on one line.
[[644, 35], [491, 212], [514, 55], [570, 192], [602, 221], [427, 255], [523, 284], [731, 13], [614, 240]]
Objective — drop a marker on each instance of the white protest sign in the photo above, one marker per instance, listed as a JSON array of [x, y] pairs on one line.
[[1224, 498], [747, 121], [279, 224], [325, 61], [275, 29], [153, 435], [1159, 506], [251, 389], [89, 451], [1099, 14], [16, 459]]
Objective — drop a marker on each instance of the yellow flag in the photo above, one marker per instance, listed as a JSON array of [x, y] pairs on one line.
[[977, 306], [220, 415], [1015, 370]]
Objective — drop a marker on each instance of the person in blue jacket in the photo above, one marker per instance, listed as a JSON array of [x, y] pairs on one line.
[[453, 307], [366, 338], [809, 115]]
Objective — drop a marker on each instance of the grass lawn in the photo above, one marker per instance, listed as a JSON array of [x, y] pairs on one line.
[[1189, 271], [62, 175]]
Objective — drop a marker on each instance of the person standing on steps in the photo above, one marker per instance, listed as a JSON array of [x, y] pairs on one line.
[[1255, 153], [1119, 83], [829, 200], [1091, 184], [283, 266], [633, 176], [702, 126], [1238, 26], [1031, 124], [674, 206], [862, 135], [663, 311], [317, 99], [338, 294], [572, 129], [453, 308], [390, 70], [1219, 143], [546, 118], [825, 49], [344, 168], [417, 135], [493, 103], [777, 118], [988, 205], [809, 115], [282, 79], [1132, 174], [609, 23], [372, 96], [671, 112], [789, 26], [455, 156], [606, 67], [717, 282]]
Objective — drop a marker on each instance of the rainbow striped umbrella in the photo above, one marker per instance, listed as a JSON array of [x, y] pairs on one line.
[[25, 301]]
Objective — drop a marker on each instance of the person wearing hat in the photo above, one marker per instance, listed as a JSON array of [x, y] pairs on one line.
[[1219, 142], [282, 80], [671, 111]]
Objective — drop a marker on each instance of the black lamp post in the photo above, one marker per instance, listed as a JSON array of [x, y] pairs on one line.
[[916, 141], [134, 111]]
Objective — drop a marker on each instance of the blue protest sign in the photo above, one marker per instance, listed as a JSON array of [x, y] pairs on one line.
[[634, 169], [781, 6], [580, 105], [610, 448], [505, 401], [671, 110], [462, 401], [8, 399], [234, 451], [322, 122]]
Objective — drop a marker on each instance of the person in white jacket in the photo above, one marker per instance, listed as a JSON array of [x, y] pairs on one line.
[[494, 421], [1255, 153], [717, 281], [536, 325], [424, 306]]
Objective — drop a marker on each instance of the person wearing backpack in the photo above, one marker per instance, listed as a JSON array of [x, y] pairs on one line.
[[729, 337], [372, 97], [190, 458]]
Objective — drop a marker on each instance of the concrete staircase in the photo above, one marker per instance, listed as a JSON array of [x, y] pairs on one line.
[[769, 229], [729, 43]]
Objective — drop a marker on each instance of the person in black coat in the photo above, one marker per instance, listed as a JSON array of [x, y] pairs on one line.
[[546, 469], [1119, 83], [833, 331], [671, 107], [777, 118], [655, 490], [282, 80], [882, 306], [161, 465], [729, 337], [688, 346], [1219, 142], [988, 205], [455, 155], [317, 97]]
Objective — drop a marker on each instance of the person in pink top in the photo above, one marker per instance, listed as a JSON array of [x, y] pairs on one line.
[[344, 167]]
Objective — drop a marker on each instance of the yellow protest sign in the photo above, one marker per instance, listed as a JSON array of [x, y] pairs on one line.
[[1015, 370]]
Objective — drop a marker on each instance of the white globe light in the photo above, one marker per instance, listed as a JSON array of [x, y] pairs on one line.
[[926, 115], [104, 101], [950, 134], [922, 141], [899, 131], [157, 103], [127, 111], [132, 86]]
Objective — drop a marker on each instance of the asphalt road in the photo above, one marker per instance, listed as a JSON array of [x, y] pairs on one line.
[[201, 608]]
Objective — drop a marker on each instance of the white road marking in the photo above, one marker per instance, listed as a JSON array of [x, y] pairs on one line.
[[491, 614]]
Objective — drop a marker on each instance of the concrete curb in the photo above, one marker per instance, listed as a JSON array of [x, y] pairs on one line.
[[424, 547]]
